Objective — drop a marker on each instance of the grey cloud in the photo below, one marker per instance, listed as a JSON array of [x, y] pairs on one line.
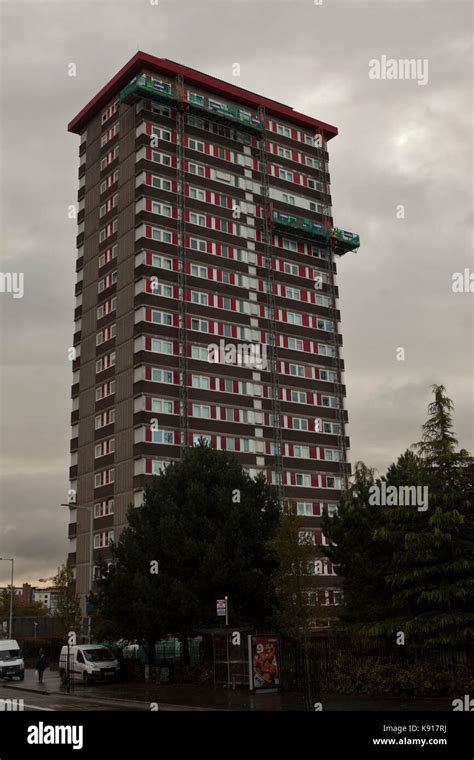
[[399, 143]]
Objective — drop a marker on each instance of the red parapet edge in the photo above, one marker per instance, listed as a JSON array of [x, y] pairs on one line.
[[212, 84]]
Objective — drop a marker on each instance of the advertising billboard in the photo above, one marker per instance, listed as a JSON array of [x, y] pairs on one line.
[[264, 663]]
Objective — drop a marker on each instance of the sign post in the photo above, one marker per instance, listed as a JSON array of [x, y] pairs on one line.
[[222, 609]]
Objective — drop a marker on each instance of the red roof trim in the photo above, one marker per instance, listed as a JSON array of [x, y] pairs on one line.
[[163, 66]]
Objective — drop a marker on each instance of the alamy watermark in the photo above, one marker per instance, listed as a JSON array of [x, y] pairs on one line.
[[399, 496], [403, 68], [12, 282], [250, 355]]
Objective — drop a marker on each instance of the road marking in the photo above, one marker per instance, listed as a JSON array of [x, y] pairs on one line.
[[35, 707]]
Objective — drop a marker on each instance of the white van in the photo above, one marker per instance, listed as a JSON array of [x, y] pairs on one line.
[[11, 660], [88, 663]]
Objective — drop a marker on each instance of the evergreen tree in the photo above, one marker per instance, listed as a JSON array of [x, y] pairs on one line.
[[432, 576], [361, 560], [205, 524]]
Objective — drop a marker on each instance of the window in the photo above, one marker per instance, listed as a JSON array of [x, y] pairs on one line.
[[162, 262], [110, 134], [284, 152], [162, 436], [106, 418], [301, 452], [291, 268], [108, 230], [302, 479], [108, 255], [197, 271], [288, 199], [200, 298], [200, 353], [323, 301], [196, 145], [161, 376], [326, 350], [197, 194], [109, 157], [332, 455], [300, 423], [230, 444], [160, 183], [333, 482], [161, 318], [285, 174], [111, 110], [297, 370], [162, 235], [103, 539], [298, 396], [161, 346], [107, 307], [197, 169], [293, 293], [285, 131], [315, 185], [107, 281], [197, 219], [198, 245], [161, 158], [104, 390], [109, 181], [200, 381], [304, 508], [198, 436], [160, 405], [324, 324], [106, 334], [160, 208], [319, 253], [104, 447], [296, 344], [106, 361], [200, 324], [332, 510], [313, 162], [306, 537], [202, 411], [159, 289], [294, 319], [104, 478], [162, 133], [159, 108]]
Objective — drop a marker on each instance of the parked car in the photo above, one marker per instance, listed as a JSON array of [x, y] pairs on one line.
[[87, 663], [11, 660]]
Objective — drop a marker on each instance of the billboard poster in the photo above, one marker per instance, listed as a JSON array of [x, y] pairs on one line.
[[264, 663]]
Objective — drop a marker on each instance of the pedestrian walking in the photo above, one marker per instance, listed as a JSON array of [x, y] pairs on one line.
[[41, 665]]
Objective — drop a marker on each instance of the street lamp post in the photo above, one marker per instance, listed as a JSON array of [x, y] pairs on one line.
[[72, 505], [9, 559]]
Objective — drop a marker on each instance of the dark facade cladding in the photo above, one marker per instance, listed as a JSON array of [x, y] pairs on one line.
[[206, 301]]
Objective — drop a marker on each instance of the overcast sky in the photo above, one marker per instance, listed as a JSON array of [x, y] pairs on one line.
[[399, 143]]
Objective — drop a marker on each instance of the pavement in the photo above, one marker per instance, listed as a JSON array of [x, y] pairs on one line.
[[52, 695]]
